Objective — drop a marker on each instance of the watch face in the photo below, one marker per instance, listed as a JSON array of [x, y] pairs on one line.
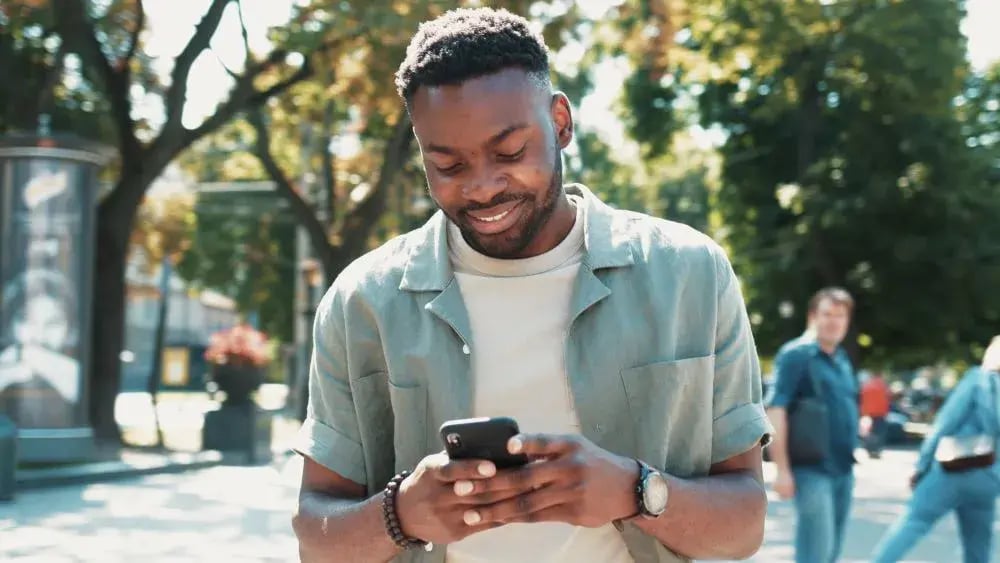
[[655, 494]]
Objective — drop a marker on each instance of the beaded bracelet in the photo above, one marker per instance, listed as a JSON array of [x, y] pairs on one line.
[[391, 518]]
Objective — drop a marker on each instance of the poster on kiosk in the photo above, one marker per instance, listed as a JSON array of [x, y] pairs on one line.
[[47, 198]]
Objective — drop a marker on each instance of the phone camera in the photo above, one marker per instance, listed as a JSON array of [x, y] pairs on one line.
[[453, 439]]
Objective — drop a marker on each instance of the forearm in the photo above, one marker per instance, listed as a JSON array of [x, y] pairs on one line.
[[715, 517], [332, 529], [778, 448]]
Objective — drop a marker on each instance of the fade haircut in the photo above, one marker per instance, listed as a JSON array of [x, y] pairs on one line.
[[468, 43]]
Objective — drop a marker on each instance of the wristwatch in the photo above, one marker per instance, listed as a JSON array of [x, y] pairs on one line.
[[651, 491]]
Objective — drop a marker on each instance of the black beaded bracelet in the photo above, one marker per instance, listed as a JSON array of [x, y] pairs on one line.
[[391, 518]]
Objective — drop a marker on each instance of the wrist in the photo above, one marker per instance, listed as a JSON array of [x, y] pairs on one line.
[[627, 483], [395, 515], [403, 506]]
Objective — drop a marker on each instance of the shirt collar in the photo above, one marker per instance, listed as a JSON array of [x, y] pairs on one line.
[[606, 240]]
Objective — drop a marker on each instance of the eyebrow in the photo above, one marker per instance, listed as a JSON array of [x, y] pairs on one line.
[[494, 140]]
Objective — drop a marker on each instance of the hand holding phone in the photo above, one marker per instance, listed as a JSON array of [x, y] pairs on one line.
[[482, 438]]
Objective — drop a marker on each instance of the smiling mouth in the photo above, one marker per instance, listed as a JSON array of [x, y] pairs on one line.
[[495, 219]]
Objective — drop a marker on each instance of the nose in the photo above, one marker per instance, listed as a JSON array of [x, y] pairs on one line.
[[484, 186]]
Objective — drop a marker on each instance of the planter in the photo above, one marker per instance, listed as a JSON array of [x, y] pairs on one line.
[[238, 382]]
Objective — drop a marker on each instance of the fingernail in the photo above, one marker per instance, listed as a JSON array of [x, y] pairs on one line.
[[514, 445], [487, 469], [471, 517], [463, 488]]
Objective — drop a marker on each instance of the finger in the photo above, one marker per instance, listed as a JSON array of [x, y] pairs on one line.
[[485, 498], [516, 480], [464, 469], [557, 513], [521, 506], [542, 445]]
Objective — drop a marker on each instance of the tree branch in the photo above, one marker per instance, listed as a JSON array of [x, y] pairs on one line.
[[77, 29], [124, 65], [302, 210], [177, 91], [361, 219], [245, 96], [243, 30]]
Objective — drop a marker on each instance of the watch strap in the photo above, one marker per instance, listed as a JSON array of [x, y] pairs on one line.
[[637, 490]]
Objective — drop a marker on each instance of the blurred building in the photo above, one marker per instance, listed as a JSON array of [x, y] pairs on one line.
[[192, 317]]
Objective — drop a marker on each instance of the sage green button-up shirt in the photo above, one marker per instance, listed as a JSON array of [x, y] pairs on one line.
[[660, 356]]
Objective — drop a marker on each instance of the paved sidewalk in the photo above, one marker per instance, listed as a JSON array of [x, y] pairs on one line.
[[880, 497], [243, 514], [221, 514]]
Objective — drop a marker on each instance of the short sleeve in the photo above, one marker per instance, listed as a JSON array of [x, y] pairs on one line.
[[330, 434], [790, 365], [739, 421]]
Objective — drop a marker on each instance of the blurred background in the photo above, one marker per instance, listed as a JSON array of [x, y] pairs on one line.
[[181, 180]]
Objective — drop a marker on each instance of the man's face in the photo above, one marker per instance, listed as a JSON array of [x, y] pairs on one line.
[[830, 320], [491, 148]]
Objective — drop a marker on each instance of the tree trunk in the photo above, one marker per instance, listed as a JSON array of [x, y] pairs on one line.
[[114, 225], [107, 326]]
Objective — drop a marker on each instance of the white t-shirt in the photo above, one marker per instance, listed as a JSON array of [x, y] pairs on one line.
[[519, 314]]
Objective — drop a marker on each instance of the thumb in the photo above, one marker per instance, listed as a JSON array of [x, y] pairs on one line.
[[542, 445]]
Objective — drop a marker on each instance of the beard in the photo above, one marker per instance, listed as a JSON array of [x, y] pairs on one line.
[[535, 211]]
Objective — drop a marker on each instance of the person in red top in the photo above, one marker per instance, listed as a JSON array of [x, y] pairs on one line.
[[875, 399]]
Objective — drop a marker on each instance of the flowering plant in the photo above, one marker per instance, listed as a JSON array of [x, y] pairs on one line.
[[241, 345]]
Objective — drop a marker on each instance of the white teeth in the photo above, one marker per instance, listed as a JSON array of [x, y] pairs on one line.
[[494, 218]]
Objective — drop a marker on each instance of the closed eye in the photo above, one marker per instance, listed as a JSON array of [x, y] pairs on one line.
[[512, 156], [453, 169]]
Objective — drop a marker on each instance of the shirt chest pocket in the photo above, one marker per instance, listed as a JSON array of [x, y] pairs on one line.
[[671, 407]]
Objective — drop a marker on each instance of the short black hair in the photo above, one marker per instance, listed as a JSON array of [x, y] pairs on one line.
[[468, 43]]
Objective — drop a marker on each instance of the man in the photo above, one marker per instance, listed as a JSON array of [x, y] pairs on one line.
[[619, 342], [822, 492], [876, 402]]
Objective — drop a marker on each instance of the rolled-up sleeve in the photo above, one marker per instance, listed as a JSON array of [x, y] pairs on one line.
[[330, 434], [739, 420]]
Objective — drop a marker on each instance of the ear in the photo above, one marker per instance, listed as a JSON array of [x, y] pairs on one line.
[[562, 119]]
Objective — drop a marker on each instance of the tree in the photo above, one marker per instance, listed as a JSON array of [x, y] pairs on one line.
[[42, 76], [347, 200], [106, 38], [356, 103], [243, 247], [844, 164]]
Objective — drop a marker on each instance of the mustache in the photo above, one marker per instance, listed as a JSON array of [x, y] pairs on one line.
[[500, 198]]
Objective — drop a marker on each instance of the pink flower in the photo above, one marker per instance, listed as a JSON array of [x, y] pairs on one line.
[[240, 345]]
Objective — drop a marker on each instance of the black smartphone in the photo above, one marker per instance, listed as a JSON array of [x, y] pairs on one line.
[[482, 438]]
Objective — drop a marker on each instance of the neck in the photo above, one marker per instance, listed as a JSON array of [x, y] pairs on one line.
[[827, 346]]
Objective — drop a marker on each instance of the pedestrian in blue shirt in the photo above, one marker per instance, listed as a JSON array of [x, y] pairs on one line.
[[949, 479], [814, 407]]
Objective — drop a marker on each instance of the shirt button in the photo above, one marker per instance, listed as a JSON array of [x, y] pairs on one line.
[[465, 349]]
